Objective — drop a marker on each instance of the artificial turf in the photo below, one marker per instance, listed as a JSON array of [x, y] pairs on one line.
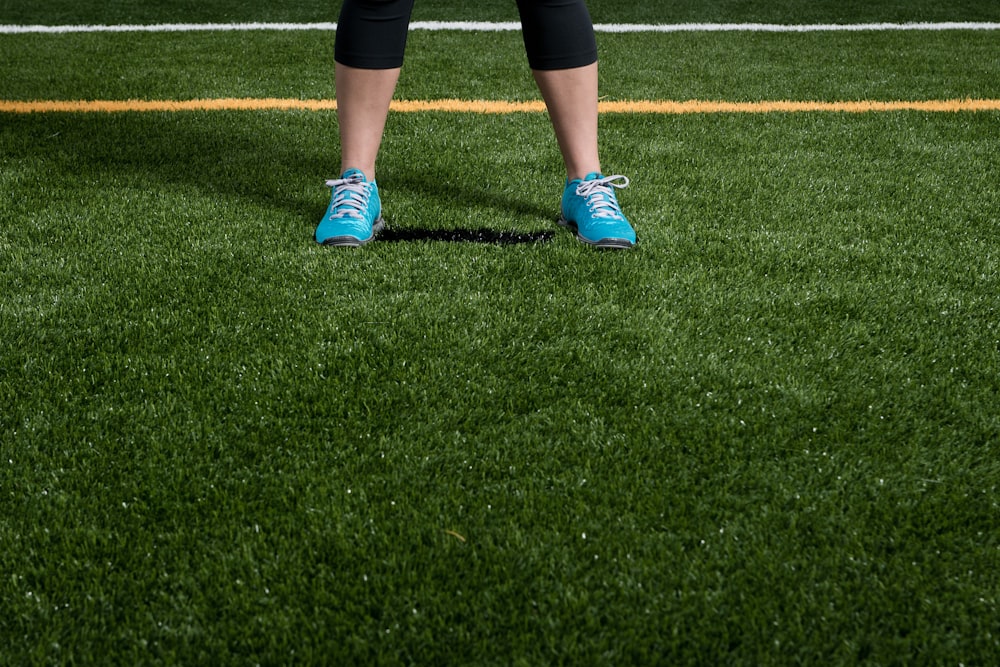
[[768, 435]]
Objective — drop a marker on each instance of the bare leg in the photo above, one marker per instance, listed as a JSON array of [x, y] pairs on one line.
[[571, 98], [363, 98]]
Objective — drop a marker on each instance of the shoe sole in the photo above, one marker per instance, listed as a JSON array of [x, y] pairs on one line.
[[611, 243], [354, 241]]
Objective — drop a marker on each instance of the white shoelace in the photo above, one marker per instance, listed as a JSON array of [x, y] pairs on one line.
[[352, 197], [600, 197]]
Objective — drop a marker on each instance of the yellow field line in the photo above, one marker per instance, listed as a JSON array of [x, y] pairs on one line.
[[497, 107]]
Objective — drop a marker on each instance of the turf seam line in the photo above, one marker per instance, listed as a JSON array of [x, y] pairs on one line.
[[501, 26], [500, 107]]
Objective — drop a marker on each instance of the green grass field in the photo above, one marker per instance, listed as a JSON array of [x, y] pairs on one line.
[[768, 435]]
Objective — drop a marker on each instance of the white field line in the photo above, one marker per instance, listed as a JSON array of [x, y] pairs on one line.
[[479, 26]]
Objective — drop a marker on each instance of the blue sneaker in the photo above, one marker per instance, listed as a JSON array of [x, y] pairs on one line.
[[354, 216], [590, 208]]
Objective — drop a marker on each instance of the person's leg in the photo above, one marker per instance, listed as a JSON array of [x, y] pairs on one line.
[[562, 52], [371, 40], [571, 98], [363, 98]]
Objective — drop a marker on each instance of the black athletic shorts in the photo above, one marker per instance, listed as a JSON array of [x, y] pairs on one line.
[[558, 34]]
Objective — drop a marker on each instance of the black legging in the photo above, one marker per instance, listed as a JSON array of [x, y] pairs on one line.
[[558, 34]]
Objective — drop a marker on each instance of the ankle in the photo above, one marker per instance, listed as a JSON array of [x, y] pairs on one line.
[[368, 171]]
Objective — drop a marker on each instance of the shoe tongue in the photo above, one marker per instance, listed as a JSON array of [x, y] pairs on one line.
[[593, 176]]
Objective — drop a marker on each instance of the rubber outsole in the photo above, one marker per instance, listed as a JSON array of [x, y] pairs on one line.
[[610, 243], [353, 241]]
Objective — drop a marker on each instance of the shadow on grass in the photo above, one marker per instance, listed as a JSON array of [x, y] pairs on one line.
[[485, 236], [236, 157]]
